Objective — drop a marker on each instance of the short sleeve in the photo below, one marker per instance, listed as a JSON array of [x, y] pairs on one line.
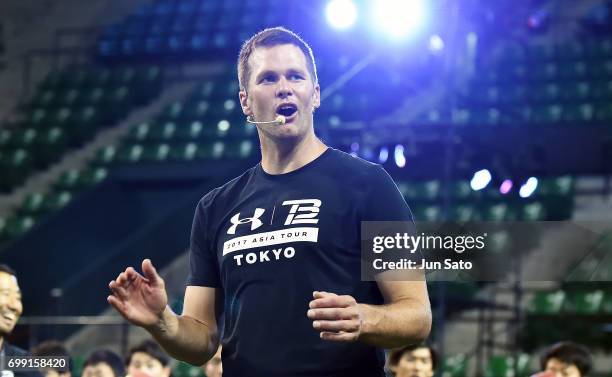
[[203, 266], [383, 200]]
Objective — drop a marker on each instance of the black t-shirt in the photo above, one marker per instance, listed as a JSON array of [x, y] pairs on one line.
[[269, 241]]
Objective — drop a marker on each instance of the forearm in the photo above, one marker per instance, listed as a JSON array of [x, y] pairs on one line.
[[185, 338], [395, 325]]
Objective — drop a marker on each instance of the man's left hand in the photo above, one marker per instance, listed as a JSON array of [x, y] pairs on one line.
[[337, 318]]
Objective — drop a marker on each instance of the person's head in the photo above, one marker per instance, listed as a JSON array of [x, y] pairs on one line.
[[213, 367], [567, 359], [278, 75], [414, 361], [10, 300], [53, 348], [148, 358], [103, 363]]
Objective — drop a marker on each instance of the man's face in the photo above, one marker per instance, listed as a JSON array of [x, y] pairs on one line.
[[416, 363], [10, 303], [561, 369], [280, 83], [99, 370], [145, 363]]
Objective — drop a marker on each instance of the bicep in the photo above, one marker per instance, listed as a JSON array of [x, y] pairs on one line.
[[202, 304]]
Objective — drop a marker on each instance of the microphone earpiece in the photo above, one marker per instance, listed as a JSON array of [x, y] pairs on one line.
[[280, 120]]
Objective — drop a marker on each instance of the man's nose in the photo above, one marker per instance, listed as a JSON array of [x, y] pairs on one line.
[[283, 89]]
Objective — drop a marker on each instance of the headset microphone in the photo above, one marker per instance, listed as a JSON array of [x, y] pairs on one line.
[[280, 120]]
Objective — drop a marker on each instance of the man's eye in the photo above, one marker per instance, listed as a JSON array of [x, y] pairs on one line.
[[295, 77], [267, 79]]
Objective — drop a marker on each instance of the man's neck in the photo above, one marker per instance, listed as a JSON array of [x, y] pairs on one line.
[[284, 157], [1, 342]]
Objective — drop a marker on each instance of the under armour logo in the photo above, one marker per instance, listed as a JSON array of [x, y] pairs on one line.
[[255, 222], [308, 208]]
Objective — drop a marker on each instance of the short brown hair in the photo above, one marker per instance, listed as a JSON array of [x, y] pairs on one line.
[[569, 353], [268, 38]]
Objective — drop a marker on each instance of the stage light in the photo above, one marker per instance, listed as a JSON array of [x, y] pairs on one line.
[[341, 14], [505, 187], [383, 155], [354, 149], [436, 44], [398, 154], [399, 18], [529, 187], [480, 179]]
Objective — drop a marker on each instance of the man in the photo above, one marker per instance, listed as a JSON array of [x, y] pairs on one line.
[[414, 361], [103, 363], [10, 311], [148, 358], [53, 348], [565, 359], [278, 248]]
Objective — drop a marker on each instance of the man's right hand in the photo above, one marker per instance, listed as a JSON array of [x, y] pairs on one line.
[[140, 299]]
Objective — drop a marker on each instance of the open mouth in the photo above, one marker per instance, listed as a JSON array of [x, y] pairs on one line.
[[287, 109]]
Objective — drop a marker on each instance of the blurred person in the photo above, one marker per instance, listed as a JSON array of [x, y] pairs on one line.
[[53, 348], [148, 358], [103, 363], [414, 361], [302, 297], [565, 359], [214, 366]]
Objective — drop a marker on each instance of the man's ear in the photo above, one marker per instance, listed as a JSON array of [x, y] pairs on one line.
[[317, 97], [244, 103]]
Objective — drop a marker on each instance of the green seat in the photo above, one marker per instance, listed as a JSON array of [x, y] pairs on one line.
[[62, 118], [547, 303], [496, 212], [533, 212], [6, 138], [139, 133], [455, 366], [584, 303], [240, 149], [85, 124], [51, 144], [24, 138], [558, 186], [204, 90], [44, 99], [505, 366], [191, 131], [211, 150], [32, 204], [606, 304], [95, 97], [156, 153], [573, 50], [241, 130], [578, 114], [70, 98], [163, 132], [18, 225], [15, 166], [129, 154], [576, 70], [544, 93], [420, 191], [543, 72], [576, 91], [117, 102], [541, 52], [461, 190], [38, 118], [106, 155], [174, 111], [499, 241], [56, 201], [603, 113], [602, 90], [463, 213], [184, 152], [547, 114], [427, 213]]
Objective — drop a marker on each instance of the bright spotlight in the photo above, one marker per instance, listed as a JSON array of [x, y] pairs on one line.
[[399, 18], [505, 187], [400, 159], [480, 179], [383, 155], [436, 44], [529, 187], [341, 14]]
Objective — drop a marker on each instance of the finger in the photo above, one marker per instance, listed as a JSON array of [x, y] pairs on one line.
[[117, 304], [122, 279], [337, 326], [321, 294], [332, 314], [339, 337], [118, 290], [150, 272], [332, 301], [133, 275]]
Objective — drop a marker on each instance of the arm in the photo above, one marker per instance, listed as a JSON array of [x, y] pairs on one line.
[[142, 300], [404, 319]]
